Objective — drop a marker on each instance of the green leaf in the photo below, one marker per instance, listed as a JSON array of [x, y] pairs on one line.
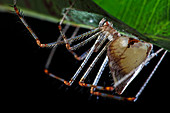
[[51, 10], [148, 20], [149, 17]]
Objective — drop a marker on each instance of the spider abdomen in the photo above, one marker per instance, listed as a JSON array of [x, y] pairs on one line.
[[125, 54]]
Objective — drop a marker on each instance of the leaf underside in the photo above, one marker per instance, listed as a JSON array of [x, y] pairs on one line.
[[148, 20]]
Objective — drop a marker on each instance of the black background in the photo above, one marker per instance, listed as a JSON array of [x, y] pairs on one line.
[[27, 85]]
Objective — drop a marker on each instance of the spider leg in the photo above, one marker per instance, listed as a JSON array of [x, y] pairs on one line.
[[102, 40], [69, 48], [65, 38], [54, 48], [94, 85], [71, 39], [69, 83], [64, 16], [138, 70], [53, 43], [83, 63], [82, 83], [59, 39], [65, 30], [118, 97], [34, 35], [105, 37], [30, 30], [153, 71], [84, 42], [81, 57]]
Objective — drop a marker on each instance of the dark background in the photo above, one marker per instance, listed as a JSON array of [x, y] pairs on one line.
[[26, 83]]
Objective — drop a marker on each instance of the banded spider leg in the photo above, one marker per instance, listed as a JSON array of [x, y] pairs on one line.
[[31, 31], [66, 41], [56, 43]]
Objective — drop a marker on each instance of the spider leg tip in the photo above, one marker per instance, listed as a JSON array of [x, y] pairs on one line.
[[67, 83], [131, 99], [46, 71], [109, 88]]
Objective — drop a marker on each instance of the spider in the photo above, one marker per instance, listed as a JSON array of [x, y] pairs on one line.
[[126, 56]]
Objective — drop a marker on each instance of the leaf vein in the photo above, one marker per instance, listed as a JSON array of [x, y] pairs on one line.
[[151, 16]]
